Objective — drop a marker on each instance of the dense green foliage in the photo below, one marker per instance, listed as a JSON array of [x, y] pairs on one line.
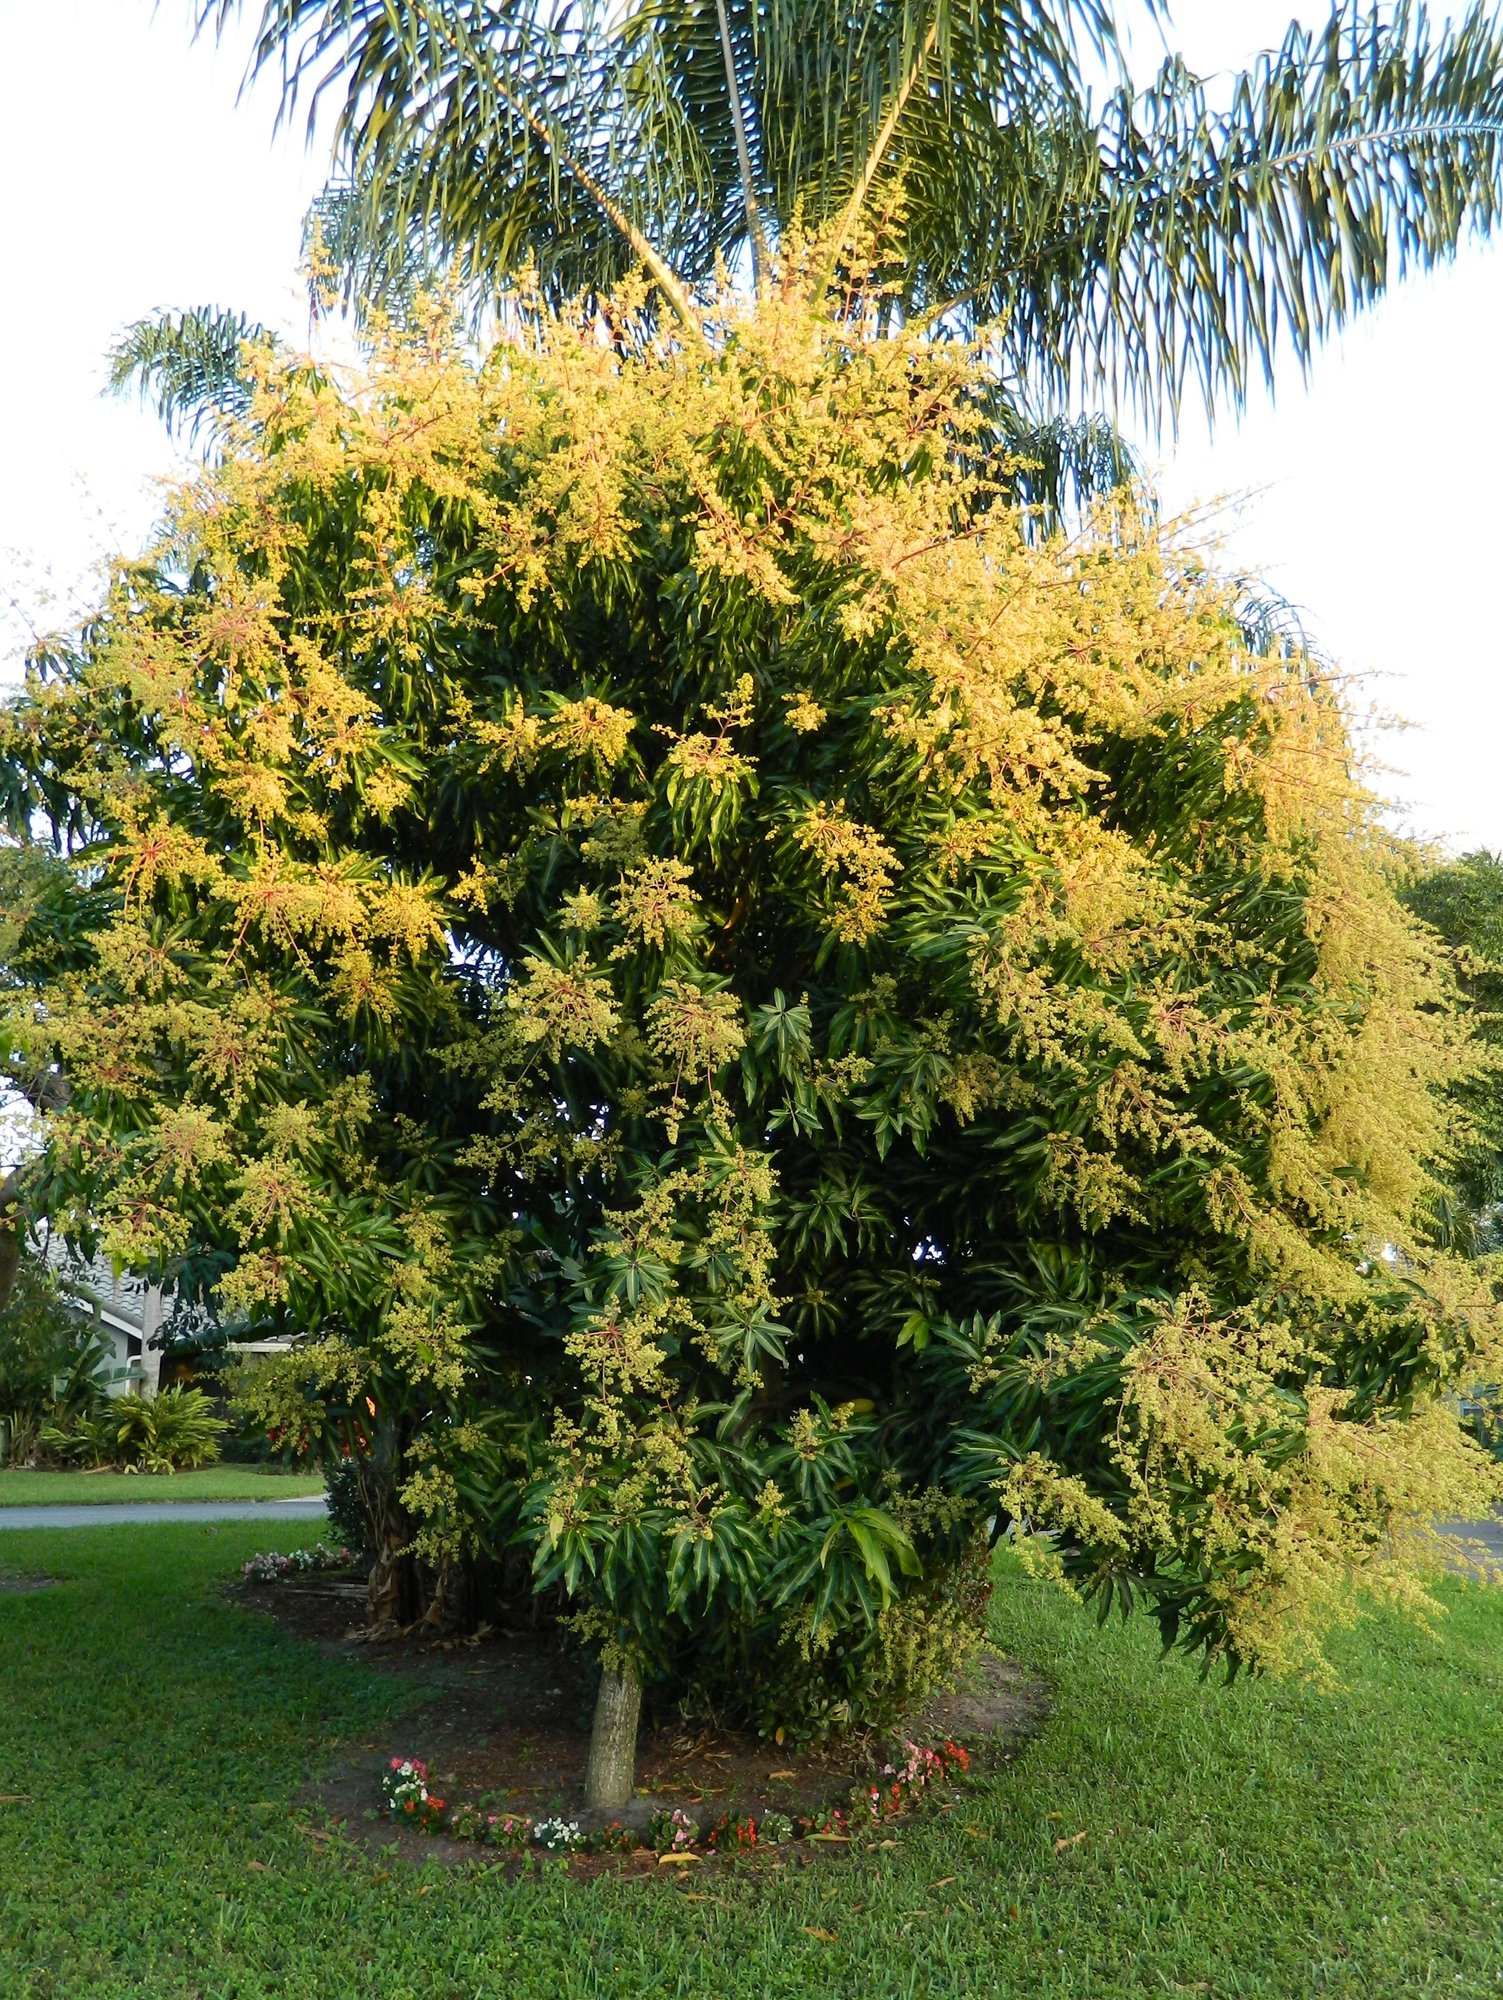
[[1263, 1842], [349, 1524], [756, 1016], [52, 1362], [1464, 901], [176, 1430], [56, 1374]]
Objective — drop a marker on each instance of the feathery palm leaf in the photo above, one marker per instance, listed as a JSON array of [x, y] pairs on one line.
[[189, 366], [1159, 242]]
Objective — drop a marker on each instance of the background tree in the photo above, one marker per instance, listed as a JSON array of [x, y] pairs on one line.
[[1463, 900], [39, 911], [758, 1018]]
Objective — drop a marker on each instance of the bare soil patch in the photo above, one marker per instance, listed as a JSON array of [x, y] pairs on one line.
[[23, 1586], [504, 1721]]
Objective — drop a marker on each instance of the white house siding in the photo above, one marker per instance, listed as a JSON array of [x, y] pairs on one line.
[[126, 1310]]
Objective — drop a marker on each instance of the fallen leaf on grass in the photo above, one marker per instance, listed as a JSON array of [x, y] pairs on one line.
[[830, 1937], [666, 1860], [943, 1882], [782, 1774], [258, 1867], [1070, 1840], [15, 1798], [835, 1839]]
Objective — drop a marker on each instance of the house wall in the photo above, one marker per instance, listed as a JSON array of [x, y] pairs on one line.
[[126, 1310]]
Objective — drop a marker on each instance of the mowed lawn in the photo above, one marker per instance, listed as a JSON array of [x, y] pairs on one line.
[[1258, 1840], [26, 1488]]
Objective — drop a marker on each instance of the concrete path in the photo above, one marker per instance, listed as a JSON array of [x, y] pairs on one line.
[[109, 1513], [313, 1507]]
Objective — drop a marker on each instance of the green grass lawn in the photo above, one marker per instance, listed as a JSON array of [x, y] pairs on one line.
[[1259, 1840], [26, 1488]]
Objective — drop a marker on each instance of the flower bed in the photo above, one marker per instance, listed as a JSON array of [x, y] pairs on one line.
[[274, 1565], [897, 1788]]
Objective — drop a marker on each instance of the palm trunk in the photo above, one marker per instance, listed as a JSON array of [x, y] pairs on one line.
[[388, 1588], [612, 1773]]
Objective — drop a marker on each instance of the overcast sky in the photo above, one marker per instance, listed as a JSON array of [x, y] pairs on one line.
[[133, 180]]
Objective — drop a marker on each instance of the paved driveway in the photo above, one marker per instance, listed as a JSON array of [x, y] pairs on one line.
[[110, 1512], [1488, 1532]]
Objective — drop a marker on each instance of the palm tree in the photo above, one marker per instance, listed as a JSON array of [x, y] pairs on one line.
[[1112, 241]]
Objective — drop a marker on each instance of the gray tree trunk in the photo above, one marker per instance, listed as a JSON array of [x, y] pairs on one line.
[[10, 1259], [612, 1774], [10, 1236]]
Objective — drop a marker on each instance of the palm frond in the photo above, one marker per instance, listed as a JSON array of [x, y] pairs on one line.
[[1060, 466], [188, 366], [497, 134], [1173, 246], [1160, 244]]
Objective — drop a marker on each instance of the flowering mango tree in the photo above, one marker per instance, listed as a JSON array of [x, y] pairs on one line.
[[759, 1021]]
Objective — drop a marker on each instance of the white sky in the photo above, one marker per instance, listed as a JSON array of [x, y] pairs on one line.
[[132, 180]]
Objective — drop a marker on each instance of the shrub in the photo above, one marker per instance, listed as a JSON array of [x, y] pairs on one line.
[[53, 1364], [809, 1685], [176, 1431], [89, 1438], [346, 1508]]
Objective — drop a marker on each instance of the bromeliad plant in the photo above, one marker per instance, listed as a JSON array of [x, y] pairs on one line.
[[752, 1016]]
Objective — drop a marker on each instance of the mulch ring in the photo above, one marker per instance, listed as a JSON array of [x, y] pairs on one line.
[[504, 1722]]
